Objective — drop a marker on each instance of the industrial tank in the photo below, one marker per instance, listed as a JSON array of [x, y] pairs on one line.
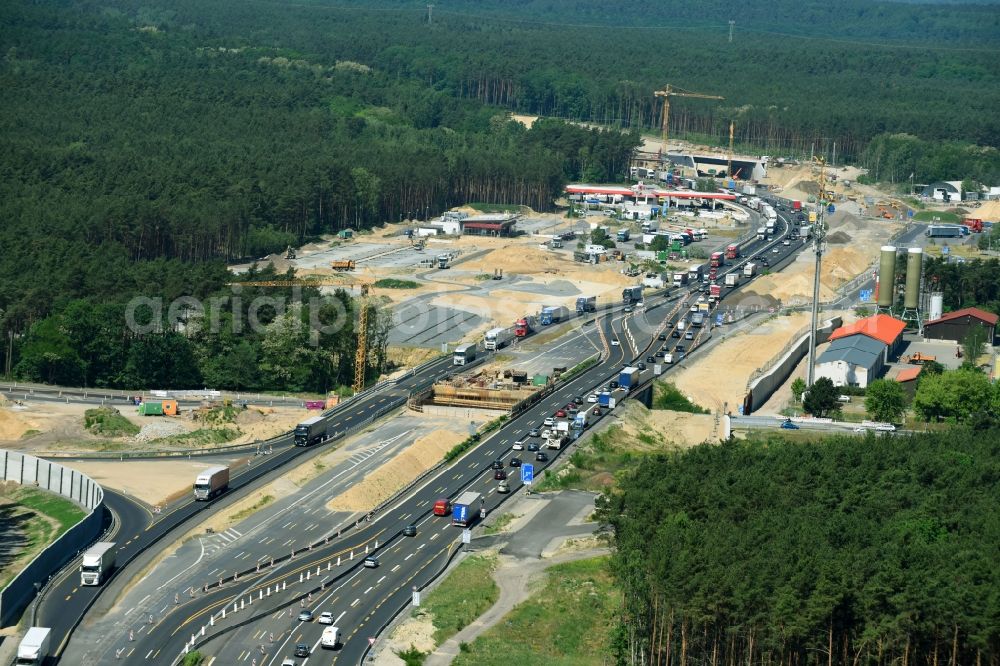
[[937, 306], [914, 266], [886, 276]]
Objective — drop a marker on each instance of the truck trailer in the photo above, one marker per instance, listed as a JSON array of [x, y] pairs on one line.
[[680, 279], [464, 510], [697, 319], [628, 378], [718, 259], [497, 338], [211, 482], [732, 279], [632, 294], [97, 563], [732, 251], [622, 235], [749, 270], [553, 315], [586, 304], [946, 231], [310, 431], [463, 354], [605, 400], [761, 233], [34, 649], [696, 273]]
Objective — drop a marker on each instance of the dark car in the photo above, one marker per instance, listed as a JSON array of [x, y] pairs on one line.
[[650, 359], [788, 425], [306, 616], [497, 464], [661, 336], [534, 432], [301, 650], [675, 334], [515, 462], [640, 365], [541, 456], [410, 531], [679, 348], [578, 399], [572, 409], [596, 411], [613, 385], [533, 446], [560, 413], [500, 475], [659, 353]]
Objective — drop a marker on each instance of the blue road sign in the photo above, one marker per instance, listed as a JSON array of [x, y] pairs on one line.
[[527, 474], [866, 295], [909, 213], [831, 209], [718, 319]]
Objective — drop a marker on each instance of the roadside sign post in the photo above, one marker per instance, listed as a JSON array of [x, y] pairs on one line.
[[466, 536], [527, 474], [416, 596]]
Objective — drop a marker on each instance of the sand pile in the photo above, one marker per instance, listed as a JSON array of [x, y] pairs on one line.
[[525, 259], [989, 211], [719, 378], [841, 220], [381, 484], [13, 426], [838, 238]]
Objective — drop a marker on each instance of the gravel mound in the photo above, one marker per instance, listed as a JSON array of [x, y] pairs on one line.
[[838, 238], [159, 429]]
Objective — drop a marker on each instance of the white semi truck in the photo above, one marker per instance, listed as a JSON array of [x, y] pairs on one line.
[[98, 561], [211, 482]]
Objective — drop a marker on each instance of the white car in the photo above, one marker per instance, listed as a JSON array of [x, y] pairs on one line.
[[694, 308], [592, 397], [615, 343], [326, 617], [518, 446], [776, 250], [549, 421], [786, 242]]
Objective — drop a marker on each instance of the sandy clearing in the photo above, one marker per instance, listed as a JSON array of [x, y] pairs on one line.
[[721, 376], [150, 481], [385, 481], [13, 425]]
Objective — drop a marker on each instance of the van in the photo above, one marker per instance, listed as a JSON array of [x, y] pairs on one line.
[[330, 638], [844, 398], [442, 507]]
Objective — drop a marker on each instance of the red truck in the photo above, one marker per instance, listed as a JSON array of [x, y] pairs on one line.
[[732, 252], [797, 206], [717, 260], [975, 225], [714, 290], [522, 327], [712, 274]]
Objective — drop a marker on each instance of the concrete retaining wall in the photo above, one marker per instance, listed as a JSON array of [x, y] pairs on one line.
[[763, 387], [71, 484]]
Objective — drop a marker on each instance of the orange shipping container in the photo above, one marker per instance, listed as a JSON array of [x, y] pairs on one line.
[[170, 407]]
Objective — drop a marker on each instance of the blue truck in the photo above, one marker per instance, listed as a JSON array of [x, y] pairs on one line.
[[605, 400], [465, 510], [553, 315], [628, 378]]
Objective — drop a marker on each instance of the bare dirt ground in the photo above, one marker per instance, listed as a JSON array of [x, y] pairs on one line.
[[149, 481], [382, 483], [721, 376], [48, 426]]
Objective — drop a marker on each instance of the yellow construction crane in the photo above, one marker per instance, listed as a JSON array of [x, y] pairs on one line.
[[361, 356], [668, 92], [729, 166]]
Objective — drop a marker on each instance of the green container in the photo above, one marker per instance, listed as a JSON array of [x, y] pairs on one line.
[[539, 380], [151, 409]]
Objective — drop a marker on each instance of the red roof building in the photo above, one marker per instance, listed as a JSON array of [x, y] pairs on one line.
[[957, 325], [881, 327], [907, 374]]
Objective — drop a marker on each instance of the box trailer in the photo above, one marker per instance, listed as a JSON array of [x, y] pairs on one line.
[[628, 377], [586, 304], [310, 431], [497, 338], [553, 315], [732, 279], [211, 482], [34, 649], [465, 510], [97, 563]]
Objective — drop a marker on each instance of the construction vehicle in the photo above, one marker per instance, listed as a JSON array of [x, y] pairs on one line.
[[918, 359], [497, 273], [343, 265], [289, 252]]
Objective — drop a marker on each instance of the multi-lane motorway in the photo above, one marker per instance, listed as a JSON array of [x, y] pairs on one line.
[[362, 600]]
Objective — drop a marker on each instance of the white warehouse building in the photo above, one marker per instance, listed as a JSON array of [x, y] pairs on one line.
[[855, 360]]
